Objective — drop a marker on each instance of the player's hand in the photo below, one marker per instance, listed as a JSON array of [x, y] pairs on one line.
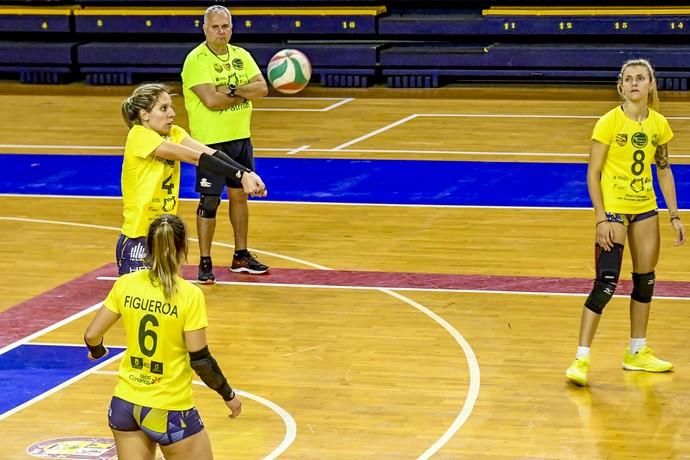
[[253, 185], [235, 406], [680, 232], [605, 235]]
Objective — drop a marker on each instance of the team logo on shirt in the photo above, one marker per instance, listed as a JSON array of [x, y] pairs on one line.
[[217, 67], [227, 66], [237, 64], [621, 139], [637, 185], [655, 140], [639, 140], [169, 204]]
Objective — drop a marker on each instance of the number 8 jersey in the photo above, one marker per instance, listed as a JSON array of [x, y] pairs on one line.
[[626, 178], [155, 370]]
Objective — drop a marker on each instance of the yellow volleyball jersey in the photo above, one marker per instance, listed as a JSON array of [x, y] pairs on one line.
[[150, 185], [155, 369], [626, 178], [203, 66]]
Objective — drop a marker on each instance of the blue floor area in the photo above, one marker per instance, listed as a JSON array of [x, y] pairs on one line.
[[455, 183], [28, 371]]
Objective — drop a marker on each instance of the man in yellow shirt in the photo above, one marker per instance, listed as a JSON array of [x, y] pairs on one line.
[[219, 83]]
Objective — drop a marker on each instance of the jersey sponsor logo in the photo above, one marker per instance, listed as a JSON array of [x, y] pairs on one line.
[[639, 140], [156, 367], [205, 183], [137, 253], [144, 379], [169, 204], [637, 185], [621, 139], [218, 67], [78, 448], [655, 140], [237, 64], [227, 66]]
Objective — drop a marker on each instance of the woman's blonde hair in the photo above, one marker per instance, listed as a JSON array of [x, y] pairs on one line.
[[167, 251], [653, 96], [144, 98]]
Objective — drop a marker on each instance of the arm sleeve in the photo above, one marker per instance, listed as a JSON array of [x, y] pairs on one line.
[[216, 165]]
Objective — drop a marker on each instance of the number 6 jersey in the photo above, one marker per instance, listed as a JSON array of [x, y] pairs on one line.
[[155, 370], [626, 178]]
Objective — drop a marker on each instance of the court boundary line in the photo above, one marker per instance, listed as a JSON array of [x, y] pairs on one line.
[[314, 203], [409, 289], [469, 115], [308, 149], [472, 362]]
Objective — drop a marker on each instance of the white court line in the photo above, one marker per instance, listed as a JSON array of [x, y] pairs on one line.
[[309, 203], [297, 150], [374, 133], [332, 150], [328, 108], [409, 289], [50, 328], [288, 420], [338, 104], [471, 115], [472, 362]]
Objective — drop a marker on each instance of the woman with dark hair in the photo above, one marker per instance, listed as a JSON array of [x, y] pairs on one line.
[[164, 318]]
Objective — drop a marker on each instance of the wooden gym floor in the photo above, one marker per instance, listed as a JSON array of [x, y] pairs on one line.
[[357, 368]]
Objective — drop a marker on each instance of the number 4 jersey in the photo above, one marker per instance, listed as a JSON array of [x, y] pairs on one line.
[[150, 185], [155, 369], [626, 178]]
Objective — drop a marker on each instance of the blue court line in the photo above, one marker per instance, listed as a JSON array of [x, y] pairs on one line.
[[28, 371], [411, 182]]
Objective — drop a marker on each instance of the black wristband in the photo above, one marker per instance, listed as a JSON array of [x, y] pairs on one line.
[[601, 222], [97, 351], [674, 218]]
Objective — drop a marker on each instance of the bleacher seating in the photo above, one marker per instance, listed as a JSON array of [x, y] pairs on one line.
[[350, 42]]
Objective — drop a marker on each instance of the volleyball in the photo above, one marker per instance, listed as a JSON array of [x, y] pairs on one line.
[[289, 71]]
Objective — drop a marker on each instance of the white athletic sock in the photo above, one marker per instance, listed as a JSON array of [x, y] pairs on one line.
[[637, 344], [582, 352]]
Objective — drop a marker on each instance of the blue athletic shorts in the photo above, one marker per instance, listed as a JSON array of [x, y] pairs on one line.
[[627, 219], [162, 426], [130, 254]]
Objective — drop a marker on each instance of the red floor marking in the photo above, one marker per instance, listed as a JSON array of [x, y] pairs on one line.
[[395, 280], [74, 296], [55, 305]]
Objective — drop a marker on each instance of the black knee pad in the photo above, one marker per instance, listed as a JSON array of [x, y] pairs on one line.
[[608, 271], [601, 294], [643, 287], [208, 206]]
